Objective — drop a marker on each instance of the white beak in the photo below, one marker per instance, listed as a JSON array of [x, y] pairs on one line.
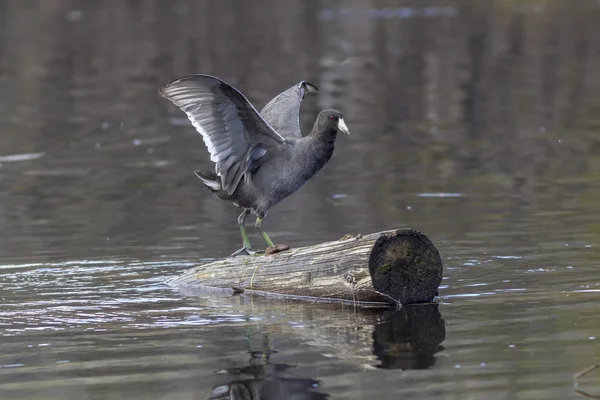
[[342, 126]]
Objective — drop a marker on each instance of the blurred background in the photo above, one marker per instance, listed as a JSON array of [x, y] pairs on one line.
[[475, 122], [494, 103]]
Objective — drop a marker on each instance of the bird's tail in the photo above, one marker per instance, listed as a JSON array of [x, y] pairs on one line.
[[210, 180]]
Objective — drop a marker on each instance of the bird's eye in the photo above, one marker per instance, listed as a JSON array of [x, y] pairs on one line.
[[332, 117]]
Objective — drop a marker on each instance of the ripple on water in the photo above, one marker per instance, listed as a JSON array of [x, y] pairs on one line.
[[64, 295]]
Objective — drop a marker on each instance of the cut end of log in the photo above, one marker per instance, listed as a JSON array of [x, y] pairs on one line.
[[406, 266]]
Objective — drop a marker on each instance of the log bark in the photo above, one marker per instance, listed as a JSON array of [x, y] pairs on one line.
[[399, 267]]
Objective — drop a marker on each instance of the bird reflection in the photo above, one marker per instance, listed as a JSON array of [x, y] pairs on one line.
[[264, 382], [409, 338]]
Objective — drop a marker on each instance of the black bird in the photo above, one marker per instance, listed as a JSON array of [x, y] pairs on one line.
[[259, 160]]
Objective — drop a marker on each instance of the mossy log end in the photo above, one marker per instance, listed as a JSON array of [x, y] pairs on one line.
[[400, 267]]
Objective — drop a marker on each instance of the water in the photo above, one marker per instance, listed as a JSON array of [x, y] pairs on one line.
[[473, 123]]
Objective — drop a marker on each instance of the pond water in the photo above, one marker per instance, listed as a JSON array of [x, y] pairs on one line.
[[476, 123]]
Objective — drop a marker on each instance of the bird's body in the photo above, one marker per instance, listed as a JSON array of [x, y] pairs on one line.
[[291, 165], [260, 159]]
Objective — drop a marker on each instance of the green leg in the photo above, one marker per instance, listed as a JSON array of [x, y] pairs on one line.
[[264, 235], [246, 246], [245, 239]]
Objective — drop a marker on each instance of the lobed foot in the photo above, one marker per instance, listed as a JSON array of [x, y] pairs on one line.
[[243, 251], [276, 249]]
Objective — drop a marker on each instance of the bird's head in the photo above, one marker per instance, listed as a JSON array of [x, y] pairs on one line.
[[333, 120]]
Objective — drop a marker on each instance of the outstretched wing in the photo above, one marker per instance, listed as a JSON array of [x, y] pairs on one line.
[[234, 132], [282, 113]]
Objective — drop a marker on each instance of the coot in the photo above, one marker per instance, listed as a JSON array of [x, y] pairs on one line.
[[260, 158]]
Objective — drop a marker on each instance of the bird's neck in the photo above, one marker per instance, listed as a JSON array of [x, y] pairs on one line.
[[322, 144], [325, 135]]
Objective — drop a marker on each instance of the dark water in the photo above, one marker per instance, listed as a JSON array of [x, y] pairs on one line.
[[474, 122]]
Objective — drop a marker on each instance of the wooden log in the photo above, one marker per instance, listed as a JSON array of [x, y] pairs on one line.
[[400, 267]]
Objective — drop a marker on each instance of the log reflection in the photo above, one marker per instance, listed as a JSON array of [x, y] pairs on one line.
[[409, 338]]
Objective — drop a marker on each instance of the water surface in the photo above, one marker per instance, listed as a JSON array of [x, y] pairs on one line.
[[473, 122]]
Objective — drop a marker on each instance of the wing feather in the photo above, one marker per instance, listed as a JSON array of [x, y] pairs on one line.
[[283, 111], [227, 121]]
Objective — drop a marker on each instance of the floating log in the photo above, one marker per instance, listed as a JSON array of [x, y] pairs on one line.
[[400, 266]]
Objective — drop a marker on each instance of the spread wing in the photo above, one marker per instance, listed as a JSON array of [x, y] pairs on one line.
[[235, 134], [282, 113]]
